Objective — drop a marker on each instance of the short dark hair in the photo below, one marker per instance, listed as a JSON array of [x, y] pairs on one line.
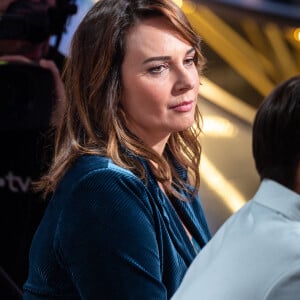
[[276, 134]]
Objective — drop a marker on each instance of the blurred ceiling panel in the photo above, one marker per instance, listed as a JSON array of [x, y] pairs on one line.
[[281, 11]]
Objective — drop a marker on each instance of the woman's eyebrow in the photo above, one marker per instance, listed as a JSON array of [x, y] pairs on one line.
[[157, 58], [164, 58], [191, 50]]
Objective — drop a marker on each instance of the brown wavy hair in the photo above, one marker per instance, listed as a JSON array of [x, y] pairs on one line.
[[94, 122]]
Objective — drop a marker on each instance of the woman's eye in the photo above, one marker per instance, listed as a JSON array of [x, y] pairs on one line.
[[189, 61], [157, 69]]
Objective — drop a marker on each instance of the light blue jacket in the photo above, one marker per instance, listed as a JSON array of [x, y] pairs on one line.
[[255, 255]]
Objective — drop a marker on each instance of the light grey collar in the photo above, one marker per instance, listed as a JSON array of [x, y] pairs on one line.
[[279, 198]]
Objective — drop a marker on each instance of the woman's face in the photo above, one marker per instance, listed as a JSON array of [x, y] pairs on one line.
[[160, 81]]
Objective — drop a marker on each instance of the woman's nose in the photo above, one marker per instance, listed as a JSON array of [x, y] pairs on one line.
[[186, 78]]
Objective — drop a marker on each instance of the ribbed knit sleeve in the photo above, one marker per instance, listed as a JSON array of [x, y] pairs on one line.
[[106, 238]]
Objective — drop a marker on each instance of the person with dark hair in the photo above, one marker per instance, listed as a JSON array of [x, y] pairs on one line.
[[33, 54], [256, 252], [276, 135], [125, 219]]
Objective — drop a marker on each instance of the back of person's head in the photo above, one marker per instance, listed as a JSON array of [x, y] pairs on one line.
[[276, 134]]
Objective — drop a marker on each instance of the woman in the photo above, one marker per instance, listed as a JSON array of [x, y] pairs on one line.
[[125, 220]]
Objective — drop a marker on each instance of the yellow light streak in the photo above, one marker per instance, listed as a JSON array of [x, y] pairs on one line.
[[231, 46], [255, 35], [231, 197], [178, 2], [285, 59], [214, 126], [225, 100]]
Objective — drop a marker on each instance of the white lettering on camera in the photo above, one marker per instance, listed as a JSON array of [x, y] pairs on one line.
[[14, 183]]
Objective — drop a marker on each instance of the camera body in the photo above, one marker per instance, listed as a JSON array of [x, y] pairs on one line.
[[26, 97], [35, 21], [26, 106]]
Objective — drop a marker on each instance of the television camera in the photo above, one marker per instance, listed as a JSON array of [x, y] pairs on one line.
[[35, 21]]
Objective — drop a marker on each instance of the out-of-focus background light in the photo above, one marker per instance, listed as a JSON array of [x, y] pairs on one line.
[[232, 198], [297, 34], [178, 2], [216, 126]]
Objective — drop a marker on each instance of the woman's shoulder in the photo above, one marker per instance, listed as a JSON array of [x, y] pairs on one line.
[[95, 167], [93, 177], [97, 170]]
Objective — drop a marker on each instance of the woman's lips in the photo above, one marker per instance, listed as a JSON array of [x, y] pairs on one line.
[[183, 106]]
